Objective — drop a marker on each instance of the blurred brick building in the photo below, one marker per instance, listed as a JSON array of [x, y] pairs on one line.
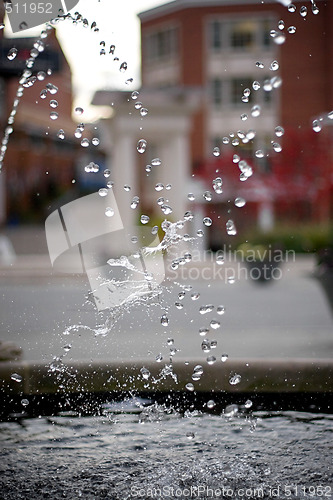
[[38, 166], [216, 46]]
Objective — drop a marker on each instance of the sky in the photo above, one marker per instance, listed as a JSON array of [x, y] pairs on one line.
[[119, 25]]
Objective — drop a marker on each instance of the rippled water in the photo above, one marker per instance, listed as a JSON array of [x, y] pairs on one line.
[[154, 452]]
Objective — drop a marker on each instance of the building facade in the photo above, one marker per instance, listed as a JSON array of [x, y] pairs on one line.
[[266, 75]]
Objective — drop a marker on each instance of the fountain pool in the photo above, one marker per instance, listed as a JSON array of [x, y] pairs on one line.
[[136, 450]]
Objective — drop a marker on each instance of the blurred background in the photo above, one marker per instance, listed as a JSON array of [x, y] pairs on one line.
[[240, 91]]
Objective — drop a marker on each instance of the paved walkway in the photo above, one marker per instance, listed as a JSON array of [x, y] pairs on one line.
[[286, 318]]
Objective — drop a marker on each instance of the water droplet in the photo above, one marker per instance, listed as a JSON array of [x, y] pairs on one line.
[[303, 11], [190, 197], [281, 24], [231, 410], [240, 202], [316, 125], [102, 52], [189, 387], [112, 49], [61, 134], [12, 53], [225, 140], [260, 65], [135, 202], [123, 67], [91, 167], [330, 115], [16, 377], [188, 216], [127, 188], [215, 324], [145, 373], [168, 186], [244, 117], [211, 404], [159, 186], [159, 358], [274, 66], [292, 7], [231, 229], [208, 196], [109, 212], [216, 151], [78, 111], [279, 131], [277, 147], [211, 360], [51, 88], [276, 82], [203, 331], [166, 209], [54, 115], [207, 221], [224, 358], [236, 158], [206, 309], [200, 233], [141, 146], [255, 110], [248, 403], [156, 162], [143, 111], [138, 105], [85, 142], [102, 192], [235, 379], [314, 8], [53, 103], [95, 141], [164, 320], [220, 260], [24, 402], [220, 310], [292, 30], [205, 345], [144, 219], [195, 295], [256, 85], [41, 75], [279, 39], [135, 95], [267, 86]]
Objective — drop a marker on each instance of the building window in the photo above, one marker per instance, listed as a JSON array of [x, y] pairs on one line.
[[216, 34], [216, 91], [242, 35], [162, 44]]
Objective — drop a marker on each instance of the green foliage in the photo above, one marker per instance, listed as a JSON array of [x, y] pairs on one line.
[[306, 238]]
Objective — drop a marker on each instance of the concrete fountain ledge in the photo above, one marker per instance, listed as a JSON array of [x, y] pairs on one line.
[[268, 376]]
